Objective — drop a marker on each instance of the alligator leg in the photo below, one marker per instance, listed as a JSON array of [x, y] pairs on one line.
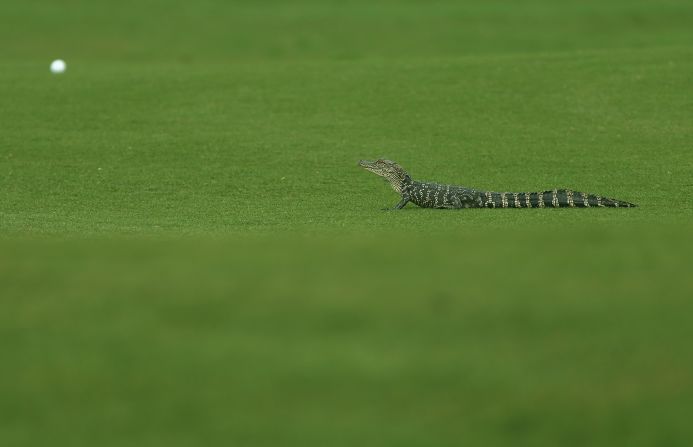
[[400, 205], [458, 201]]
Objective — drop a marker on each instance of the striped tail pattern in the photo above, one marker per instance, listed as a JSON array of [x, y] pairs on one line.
[[557, 198]]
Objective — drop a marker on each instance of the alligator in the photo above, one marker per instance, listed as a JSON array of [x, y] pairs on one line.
[[436, 195]]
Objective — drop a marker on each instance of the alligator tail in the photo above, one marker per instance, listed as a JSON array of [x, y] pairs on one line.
[[557, 198]]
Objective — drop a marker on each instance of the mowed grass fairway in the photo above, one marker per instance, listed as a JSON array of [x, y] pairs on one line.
[[189, 254]]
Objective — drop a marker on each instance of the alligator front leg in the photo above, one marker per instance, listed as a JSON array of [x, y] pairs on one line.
[[400, 205], [404, 201]]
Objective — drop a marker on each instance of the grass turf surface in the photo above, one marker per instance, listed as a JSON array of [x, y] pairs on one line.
[[238, 121], [233, 148]]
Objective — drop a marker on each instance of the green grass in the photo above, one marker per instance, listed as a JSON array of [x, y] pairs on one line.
[[568, 342], [266, 146], [190, 255]]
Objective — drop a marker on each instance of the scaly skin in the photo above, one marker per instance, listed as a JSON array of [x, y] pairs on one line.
[[435, 195]]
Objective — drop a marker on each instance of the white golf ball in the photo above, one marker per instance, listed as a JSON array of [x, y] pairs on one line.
[[58, 66]]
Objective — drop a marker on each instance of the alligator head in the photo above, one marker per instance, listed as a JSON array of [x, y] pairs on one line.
[[388, 169]]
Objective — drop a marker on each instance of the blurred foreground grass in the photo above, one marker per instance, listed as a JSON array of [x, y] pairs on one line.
[[533, 338]]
